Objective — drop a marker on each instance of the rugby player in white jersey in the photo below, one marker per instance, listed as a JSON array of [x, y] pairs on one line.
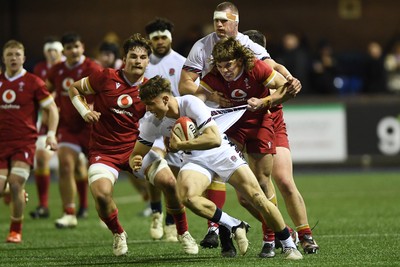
[[209, 154], [166, 62]]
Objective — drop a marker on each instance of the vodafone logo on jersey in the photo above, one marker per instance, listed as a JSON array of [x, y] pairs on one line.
[[9, 96], [67, 82], [124, 101], [238, 93]]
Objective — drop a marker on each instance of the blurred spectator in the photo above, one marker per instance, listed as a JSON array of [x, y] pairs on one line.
[[109, 55], [392, 67], [296, 59], [324, 69], [375, 73]]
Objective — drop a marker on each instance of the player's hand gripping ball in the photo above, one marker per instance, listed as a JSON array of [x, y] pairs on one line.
[[185, 129]]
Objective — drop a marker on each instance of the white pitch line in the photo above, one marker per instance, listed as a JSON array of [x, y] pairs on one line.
[[360, 235], [128, 199]]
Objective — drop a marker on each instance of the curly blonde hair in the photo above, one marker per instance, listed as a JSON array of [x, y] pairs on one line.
[[228, 49]]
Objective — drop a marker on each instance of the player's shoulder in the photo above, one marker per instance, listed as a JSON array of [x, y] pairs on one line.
[[58, 65], [92, 64], [188, 98], [178, 56], [206, 40], [40, 65], [33, 78], [190, 102], [108, 71], [104, 75], [149, 121]]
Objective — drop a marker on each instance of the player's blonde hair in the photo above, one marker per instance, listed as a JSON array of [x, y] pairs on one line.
[[13, 44], [228, 49]]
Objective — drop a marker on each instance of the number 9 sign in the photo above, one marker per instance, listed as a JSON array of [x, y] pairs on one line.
[[388, 131]]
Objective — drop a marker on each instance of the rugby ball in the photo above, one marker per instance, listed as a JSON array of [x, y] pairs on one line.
[[185, 129]]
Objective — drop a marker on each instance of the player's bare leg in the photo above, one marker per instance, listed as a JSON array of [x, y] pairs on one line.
[[17, 177], [191, 185], [163, 178], [68, 159], [101, 183], [42, 174], [282, 174], [81, 180], [244, 181]]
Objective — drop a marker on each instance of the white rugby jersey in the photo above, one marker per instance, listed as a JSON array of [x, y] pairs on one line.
[[190, 106], [199, 58], [168, 67]]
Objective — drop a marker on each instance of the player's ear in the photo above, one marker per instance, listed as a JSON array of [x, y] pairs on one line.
[[165, 99]]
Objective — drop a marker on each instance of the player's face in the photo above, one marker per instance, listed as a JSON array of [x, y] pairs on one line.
[[161, 45], [136, 61], [13, 59], [225, 28], [230, 69], [73, 52], [157, 106], [52, 55]]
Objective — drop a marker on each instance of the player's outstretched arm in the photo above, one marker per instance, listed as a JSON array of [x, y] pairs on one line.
[[294, 84], [281, 95]]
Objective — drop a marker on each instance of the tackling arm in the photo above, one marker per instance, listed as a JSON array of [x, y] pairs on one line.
[[294, 84], [187, 83], [280, 96]]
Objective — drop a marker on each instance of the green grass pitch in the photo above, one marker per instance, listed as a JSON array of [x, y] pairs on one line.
[[358, 216]]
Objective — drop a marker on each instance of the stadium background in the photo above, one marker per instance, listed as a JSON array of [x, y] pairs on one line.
[[364, 130]]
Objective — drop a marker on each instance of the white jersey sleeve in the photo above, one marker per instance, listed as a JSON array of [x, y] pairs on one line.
[[194, 108], [149, 129]]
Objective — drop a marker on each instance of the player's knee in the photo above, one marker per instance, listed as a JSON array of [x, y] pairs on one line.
[[168, 185], [15, 186], [259, 200], [153, 174], [96, 172], [187, 200], [66, 168], [101, 195], [19, 172], [287, 187], [243, 202]]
